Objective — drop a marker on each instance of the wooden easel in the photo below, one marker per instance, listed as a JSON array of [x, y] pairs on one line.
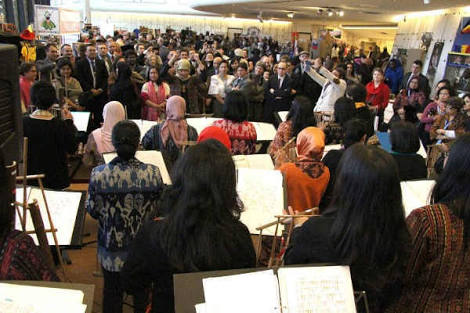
[[277, 260], [36, 217]]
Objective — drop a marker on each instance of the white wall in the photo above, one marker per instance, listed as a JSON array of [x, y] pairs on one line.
[[443, 27]]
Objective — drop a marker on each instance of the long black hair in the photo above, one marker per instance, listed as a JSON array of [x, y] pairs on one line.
[[301, 115], [203, 207], [453, 185], [369, 232]]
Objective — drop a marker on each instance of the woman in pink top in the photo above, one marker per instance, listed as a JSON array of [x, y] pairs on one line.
[[242, 133], [28, 73]]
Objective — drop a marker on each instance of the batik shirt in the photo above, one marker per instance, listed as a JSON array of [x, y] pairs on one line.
[[121, 195]]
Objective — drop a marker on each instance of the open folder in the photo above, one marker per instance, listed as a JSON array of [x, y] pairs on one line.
[[322, 289]]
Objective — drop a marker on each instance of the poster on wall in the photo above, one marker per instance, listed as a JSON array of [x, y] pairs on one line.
[[434, 61], [46, 19], [69, 21]]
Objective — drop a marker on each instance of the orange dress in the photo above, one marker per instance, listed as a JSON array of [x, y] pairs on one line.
[[303, 191]]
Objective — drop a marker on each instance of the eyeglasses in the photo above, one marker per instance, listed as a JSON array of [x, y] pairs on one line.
[[281, 68]]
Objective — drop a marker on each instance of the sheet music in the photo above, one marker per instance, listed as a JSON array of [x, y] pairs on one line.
[[264, 131], [144, 126], [253, 292], [148, 157], [323, 289], [283, 115], [199, 123], [42, 299], [262, 194], [80, 120], [63, 206], [388, 112], [416, 194], [259, 161]]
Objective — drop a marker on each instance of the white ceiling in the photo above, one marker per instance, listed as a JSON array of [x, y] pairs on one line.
[[365, 11]]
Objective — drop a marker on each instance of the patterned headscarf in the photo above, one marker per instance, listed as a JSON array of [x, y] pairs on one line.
[[175, 124], [310, 146]]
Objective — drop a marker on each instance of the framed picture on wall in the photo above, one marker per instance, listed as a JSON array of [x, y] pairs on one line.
[[434, 61]]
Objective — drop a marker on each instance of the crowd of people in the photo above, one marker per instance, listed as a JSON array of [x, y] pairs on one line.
[[148, 231]]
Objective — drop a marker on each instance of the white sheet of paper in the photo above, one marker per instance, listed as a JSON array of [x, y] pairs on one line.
[[262, 194], [199, 123], [80, 119], [201, 308], [148, 157], [253, 292], [388, 112], [144, 126], [331, 147], [283, 115], [323, 289], [416, 194], [43, 299], [63, 206], [264, 131], [259, 161]]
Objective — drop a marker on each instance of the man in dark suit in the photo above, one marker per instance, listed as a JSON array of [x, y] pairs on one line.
[[93, 77], [278, 92], [104, 56], [302, 83], [246, 86], [423, 82]]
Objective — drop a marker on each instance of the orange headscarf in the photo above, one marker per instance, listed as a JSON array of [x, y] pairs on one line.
[[310, 147]]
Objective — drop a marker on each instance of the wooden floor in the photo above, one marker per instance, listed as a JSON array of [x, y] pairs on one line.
[[84, 268]]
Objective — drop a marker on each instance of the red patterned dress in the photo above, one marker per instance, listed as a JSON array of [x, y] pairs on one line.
[[437, 279], [242, 135], [20, 259]]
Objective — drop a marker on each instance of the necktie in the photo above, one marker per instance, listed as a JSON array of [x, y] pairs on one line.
[[93, 64], [280, 82]]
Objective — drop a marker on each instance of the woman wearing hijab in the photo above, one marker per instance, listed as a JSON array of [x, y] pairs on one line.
[[99, 141], [307, 178], [169, 137]]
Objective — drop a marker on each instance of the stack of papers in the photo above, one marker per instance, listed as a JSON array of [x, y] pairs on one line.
[[259, 161], [416, 194], [32, 299]]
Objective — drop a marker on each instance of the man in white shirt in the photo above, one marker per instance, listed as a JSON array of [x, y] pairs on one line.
[[333, 86]]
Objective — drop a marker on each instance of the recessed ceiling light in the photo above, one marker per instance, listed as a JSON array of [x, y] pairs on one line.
[[290, 15], [341, 13]]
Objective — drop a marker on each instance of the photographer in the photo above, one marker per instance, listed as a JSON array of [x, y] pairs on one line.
[[431, 112]]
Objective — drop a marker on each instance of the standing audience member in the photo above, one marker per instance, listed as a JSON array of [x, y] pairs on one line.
[[50, 138], [46, 67], [307, 178], [367, 195], [303, 84], [378, 92], [241, 132], [332, 83], [200, 203], [99, 141], [394, 75], [245, 85], [154, 93], [410, 101], [405, 145], [121, 196], [278, 92], [437, 277], [28, 74], [20, 258], [423, 81], [93, 77], [217, 86], [126, 91], [172, 135]]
